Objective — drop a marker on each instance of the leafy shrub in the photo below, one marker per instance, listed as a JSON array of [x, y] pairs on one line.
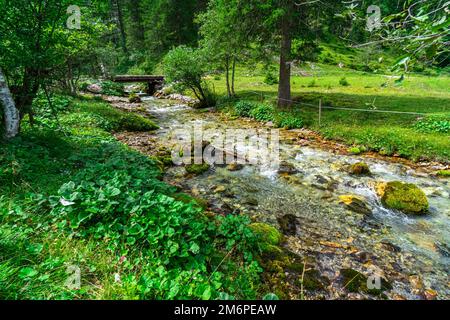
[[244, 108], [185, 68], [343, 82], [112, 88], [46, 113], [288, 121], [434, 124], [263, 112]]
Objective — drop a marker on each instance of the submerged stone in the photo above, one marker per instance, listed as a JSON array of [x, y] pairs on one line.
[[235, 167], [405, 197], [356, 204], [288, 224], [197, 168], [287, 168]]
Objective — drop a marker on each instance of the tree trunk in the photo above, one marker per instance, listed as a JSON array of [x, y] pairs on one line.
[[136, 23], [123, 37], [284, 87], [11, 114], [227, 66], [233, 76]]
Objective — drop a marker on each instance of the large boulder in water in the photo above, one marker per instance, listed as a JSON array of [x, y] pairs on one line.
[[405, 197]]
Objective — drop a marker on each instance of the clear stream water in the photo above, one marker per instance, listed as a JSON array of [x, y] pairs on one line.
[[413, 253]]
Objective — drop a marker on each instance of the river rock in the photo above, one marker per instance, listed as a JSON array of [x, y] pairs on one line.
[[359, 168], [405, 197], [356, 203], [251, 201], [134, 98], [288, 224], [219, 189], [287, 168], [94, 88], [235, 167]]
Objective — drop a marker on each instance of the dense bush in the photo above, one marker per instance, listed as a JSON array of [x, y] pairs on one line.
[[263, 112], [185, 68], [244, 108]]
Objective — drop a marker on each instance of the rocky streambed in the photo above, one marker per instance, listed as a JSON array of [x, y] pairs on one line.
[[338, 235]]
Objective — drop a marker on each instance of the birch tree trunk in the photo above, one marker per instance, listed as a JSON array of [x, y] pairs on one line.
[[11, 114]]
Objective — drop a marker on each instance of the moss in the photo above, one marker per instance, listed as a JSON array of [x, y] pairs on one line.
[[355, 281], [134, 98], [443, 173], [267, 234], [313, 280], [360, 168], [405, 197], [355, 150], [185, 198], [135, 123], [197, 168], [165, 160]]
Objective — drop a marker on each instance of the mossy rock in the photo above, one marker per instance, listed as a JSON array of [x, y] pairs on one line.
[[313, 280], [443, 173], [267, 235], [197, 169], [405, 197], [355, 150], [185, 198], [165, 160], [354, 281], [134, 98], [360, 168]]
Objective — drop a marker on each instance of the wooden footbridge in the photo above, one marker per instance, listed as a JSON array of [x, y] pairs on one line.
[[154, 83]]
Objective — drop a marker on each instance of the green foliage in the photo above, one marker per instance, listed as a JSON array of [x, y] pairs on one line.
[[112, 88], [288, 120], [443, 173], [243, 108], [355, 150], [438, 124], [185, 68], [263, 112]]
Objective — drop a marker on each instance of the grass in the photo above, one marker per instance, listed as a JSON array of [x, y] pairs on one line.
[[382, 132]]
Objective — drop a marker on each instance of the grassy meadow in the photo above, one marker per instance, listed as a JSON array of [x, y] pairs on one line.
[[422, 136]]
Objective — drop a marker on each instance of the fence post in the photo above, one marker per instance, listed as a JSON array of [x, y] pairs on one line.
[[320, 113]]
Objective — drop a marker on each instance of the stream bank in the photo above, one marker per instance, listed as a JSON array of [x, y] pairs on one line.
[[342, 247]]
